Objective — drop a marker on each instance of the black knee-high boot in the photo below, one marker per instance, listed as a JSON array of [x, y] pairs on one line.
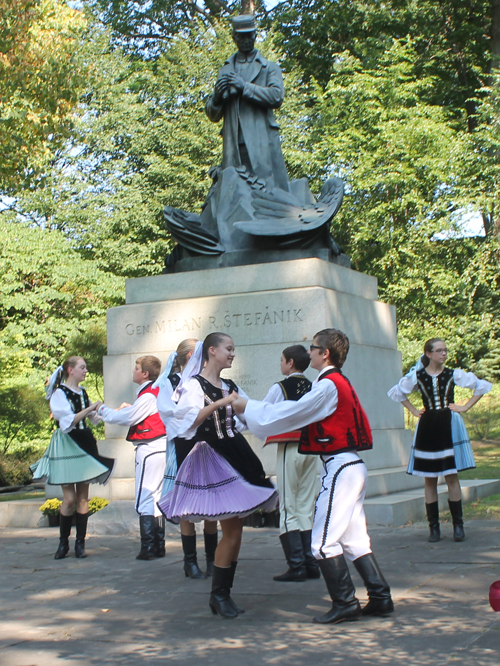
[[159, 538], [211, 541], [345, 606], [191, 568], [148, 526], [379, 592], [312, 566], [81, 532], [291, 543], [458, 520], [65, 523], [220, 600], [432, 510], [233, 571]]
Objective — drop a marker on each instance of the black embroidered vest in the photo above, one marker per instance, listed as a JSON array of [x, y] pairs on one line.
[[295, 387], [220, 424], [438, 391], [78, 403]]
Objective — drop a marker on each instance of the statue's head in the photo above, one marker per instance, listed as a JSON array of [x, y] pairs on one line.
[[244, 32]]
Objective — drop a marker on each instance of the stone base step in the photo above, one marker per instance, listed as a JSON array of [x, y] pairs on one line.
[[22, 513], [120, 516], [400, 508], [380, 482], [391, 480]]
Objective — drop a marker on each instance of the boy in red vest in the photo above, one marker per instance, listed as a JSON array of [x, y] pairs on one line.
[[335, 427], [147, 433]]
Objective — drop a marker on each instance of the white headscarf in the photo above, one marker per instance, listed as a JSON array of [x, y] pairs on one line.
[[412, 372], [162, 379], [193, 367], [54, 381]]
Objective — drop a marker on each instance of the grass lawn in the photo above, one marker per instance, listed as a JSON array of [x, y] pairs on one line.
[[487, 455], [8, 497]]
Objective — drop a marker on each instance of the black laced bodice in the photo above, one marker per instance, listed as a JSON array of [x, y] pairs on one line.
[[437, 391]]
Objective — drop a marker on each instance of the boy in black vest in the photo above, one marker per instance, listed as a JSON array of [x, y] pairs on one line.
[[335, 428], [147, 433], [297, 475]]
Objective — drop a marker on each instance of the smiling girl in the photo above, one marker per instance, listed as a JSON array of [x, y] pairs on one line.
[[221, 478]]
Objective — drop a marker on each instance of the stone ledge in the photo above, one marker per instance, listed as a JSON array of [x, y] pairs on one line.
[[304, 272]]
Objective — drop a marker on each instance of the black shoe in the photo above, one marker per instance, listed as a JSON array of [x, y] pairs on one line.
[[312, 566], [345, 606], [211, 541], [458, 520], [159, 537], [294, 553], [231, 580], [62, 549], [191, 568], [379, 592], [147, 525], [220, 600], [81, 533], [65, 523], [432, 511], [80, 548]]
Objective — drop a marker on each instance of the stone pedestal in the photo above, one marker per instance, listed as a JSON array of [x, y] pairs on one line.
[[264, 307]]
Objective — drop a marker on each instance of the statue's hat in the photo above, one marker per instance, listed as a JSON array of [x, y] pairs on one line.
[[244, 23]]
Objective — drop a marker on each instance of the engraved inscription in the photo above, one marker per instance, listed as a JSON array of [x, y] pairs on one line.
[[219, 322]]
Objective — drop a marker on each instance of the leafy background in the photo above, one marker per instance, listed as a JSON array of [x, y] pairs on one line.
[[102, 123]]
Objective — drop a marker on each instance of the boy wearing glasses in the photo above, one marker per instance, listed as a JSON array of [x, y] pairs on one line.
[[334, 427]]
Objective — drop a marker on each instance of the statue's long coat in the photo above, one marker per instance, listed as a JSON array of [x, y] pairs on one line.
[[253, 111]]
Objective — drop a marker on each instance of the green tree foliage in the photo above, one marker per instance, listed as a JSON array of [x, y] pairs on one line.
[[408, 175], [143, 141], [39, 85], [397, 98], [22, 411], [452, 41], [146, 28], [47, 293]]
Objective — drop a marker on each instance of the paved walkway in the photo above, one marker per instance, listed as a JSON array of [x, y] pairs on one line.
[[112, 609]]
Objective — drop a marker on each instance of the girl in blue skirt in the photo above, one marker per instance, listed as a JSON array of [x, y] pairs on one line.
[[72, 459], [441, 445]]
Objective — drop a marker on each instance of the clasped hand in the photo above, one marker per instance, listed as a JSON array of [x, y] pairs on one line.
[[229, 84], [238, 403]]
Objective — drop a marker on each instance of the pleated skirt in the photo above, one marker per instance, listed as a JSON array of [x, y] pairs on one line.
[[441, 445], [207, 487], [65, 461]]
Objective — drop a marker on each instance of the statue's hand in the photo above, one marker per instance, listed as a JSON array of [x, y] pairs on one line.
[[221, 86], [236, 81]]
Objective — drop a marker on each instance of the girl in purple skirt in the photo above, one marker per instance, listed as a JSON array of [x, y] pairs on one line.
[[221, 478]]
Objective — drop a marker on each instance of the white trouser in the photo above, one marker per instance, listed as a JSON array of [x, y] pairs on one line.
[[298, 485], [149, 471], [339, 521]]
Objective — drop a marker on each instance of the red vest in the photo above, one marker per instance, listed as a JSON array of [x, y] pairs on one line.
[[347, 429], [152, 427]]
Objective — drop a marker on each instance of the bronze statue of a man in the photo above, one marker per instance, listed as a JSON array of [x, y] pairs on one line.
[[247, 90], [252, 206]]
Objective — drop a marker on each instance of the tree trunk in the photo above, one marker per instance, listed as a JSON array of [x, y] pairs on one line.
[[248, 6], [495, 34]]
